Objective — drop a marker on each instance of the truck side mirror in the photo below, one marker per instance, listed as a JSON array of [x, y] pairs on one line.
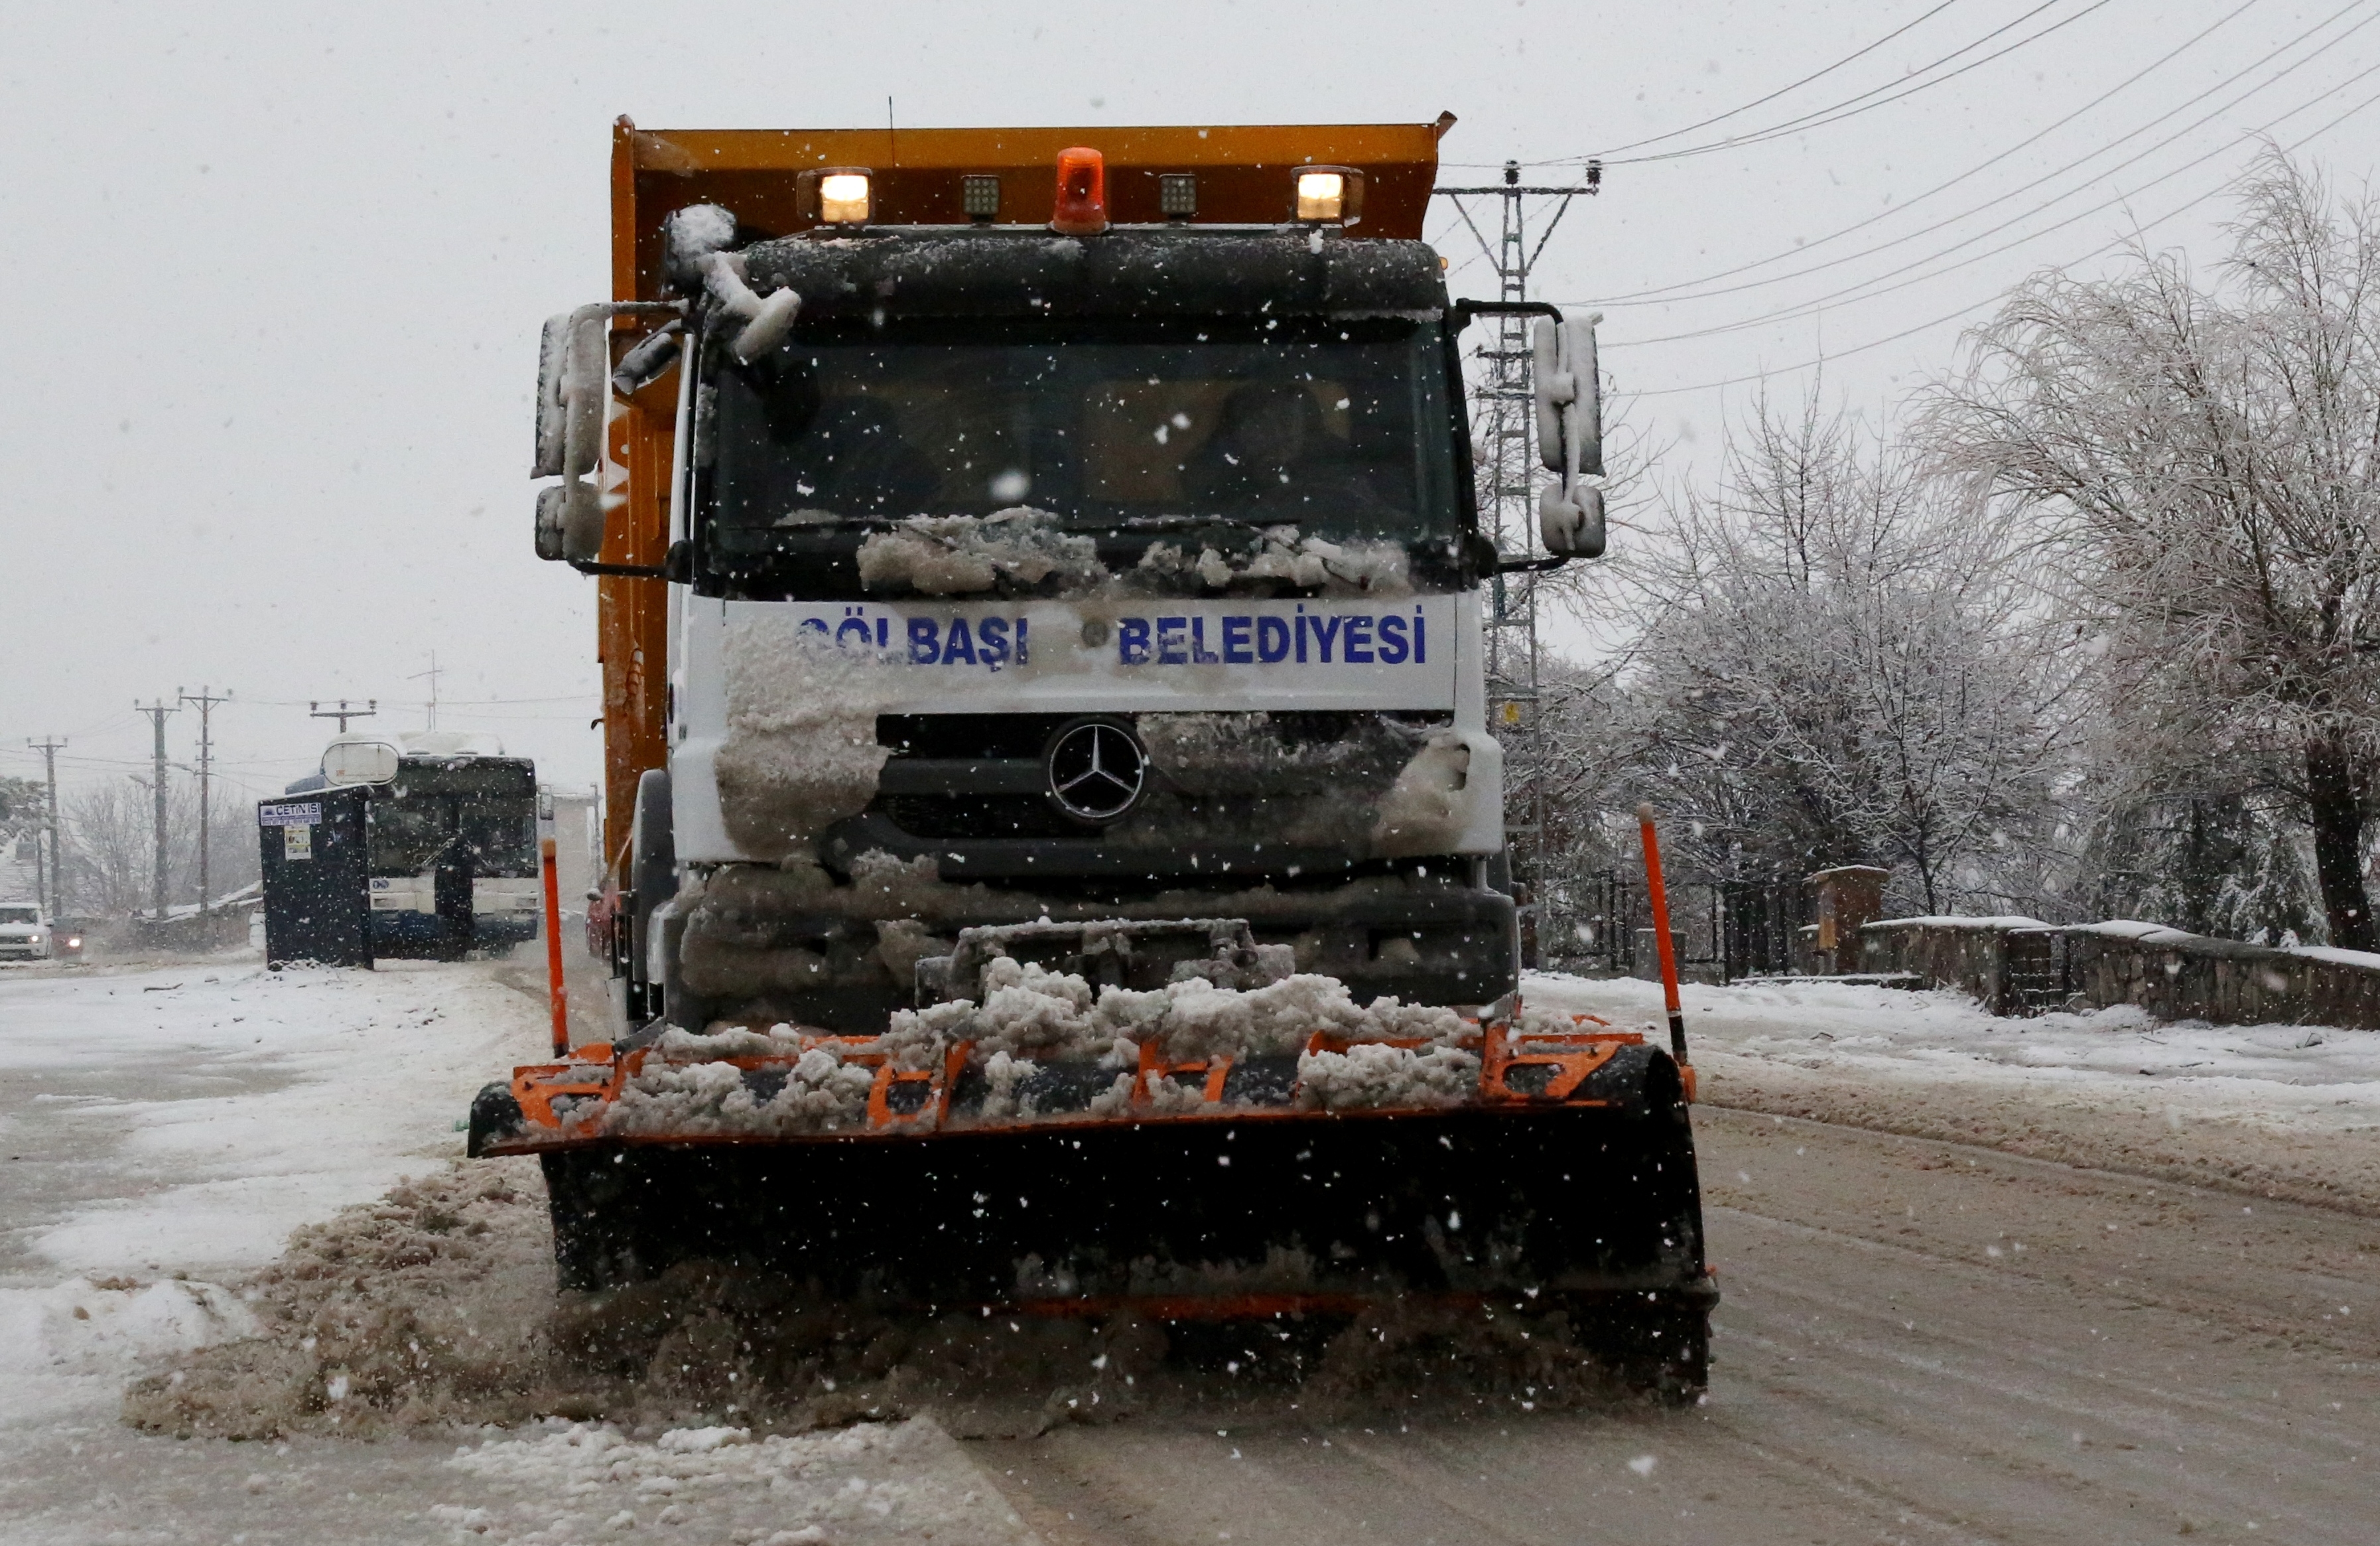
[[574, 387], [1568, 403]]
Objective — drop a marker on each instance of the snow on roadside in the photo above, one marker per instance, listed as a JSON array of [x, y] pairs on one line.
[[2283, 1111], [2299, 1075], [872, 1482], [219, 1106], [373, 1070]]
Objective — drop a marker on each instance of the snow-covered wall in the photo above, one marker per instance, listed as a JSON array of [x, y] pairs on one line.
[[2020, 966]]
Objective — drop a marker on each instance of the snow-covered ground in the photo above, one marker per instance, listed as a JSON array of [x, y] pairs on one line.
[[165, 1129], [2286, 1110], [162, 1131], [2317, 1076]]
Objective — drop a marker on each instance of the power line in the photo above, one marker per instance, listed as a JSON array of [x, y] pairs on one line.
[[1955, 315], [343, 714], [1666, 294], [1851, 108], [1782, 91], [1878, 287]]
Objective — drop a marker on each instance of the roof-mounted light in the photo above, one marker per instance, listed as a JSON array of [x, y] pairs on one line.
[[1177, 194], [837, 195], [1330, 195], [1082, 193]]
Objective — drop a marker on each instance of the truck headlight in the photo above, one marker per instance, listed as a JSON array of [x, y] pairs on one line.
[[1330, 195], [843, 198]]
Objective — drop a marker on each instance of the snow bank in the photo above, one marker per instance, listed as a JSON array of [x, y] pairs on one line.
[[873, 1482], [1958, 920], [2280, 1110], [426, 1306]]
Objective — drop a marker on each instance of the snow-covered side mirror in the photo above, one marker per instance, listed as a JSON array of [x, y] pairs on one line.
[[574, 391], [1569, 393], [548, 460]]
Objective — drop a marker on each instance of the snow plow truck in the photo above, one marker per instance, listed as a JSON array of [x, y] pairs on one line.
[[1055, 845]]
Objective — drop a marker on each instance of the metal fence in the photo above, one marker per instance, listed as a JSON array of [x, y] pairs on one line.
[[1724, 930]]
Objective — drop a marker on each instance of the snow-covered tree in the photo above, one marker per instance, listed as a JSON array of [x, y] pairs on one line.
[[2203, 464], [1831, 669]]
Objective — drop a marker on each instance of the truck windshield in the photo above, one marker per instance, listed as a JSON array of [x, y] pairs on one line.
[[1338, 428], [20, 915]]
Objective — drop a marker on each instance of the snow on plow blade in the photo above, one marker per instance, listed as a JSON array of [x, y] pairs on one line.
[[1309, 1157]]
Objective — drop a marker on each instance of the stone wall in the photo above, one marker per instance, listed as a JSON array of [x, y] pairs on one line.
[[1994, 958], [2020, 966]]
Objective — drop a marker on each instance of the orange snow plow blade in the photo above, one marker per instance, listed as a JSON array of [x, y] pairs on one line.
[[1509, 1160]]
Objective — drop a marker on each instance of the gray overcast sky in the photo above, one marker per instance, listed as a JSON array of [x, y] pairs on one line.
[[281, 268]]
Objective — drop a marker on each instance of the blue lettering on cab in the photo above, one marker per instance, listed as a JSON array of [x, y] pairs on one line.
[[1320, 638]]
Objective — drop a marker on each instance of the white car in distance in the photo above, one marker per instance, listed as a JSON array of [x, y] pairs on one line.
[[24, 933]]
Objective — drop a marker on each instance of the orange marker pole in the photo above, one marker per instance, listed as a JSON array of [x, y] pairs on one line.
[[560, 994], [1661, 940]]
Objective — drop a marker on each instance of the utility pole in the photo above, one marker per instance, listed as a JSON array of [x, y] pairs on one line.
[[432, 673], [206, 760], [1506, 470], [49, 885], [343, 714], [157, 713]]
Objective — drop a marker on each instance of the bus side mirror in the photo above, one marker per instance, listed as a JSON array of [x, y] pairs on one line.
[[1568, 403]]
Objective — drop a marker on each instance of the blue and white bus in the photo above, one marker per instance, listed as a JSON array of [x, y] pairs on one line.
[[452, 825]]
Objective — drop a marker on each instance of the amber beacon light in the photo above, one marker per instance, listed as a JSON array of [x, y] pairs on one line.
[[1082, 193]]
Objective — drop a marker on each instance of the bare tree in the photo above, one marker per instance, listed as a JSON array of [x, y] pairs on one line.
[[109, 834], [2205, 465]]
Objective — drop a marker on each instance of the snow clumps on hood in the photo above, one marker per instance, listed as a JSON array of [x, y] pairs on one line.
[[954, 556], [1355, 569]]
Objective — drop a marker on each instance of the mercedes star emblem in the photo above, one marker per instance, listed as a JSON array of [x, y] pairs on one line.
[[1095, 770]]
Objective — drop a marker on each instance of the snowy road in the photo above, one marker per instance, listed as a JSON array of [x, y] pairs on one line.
[[1921, 1341]]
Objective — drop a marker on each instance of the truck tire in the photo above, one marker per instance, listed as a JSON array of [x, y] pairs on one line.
[[652, 880]]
